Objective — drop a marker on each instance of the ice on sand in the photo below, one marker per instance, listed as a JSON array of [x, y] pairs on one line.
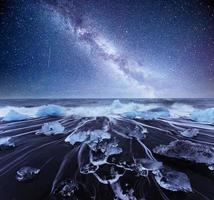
[[172, 180], [52, 128], [204, 116], [189, 133], [5, 143], [50, 111], [66, 189], [183, 149], [13, 115], [88, 136], [26, 174]]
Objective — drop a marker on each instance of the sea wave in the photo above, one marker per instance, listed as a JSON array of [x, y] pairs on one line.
[[130, 110]]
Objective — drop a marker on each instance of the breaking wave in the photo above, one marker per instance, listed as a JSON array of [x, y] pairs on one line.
[[129, 110]]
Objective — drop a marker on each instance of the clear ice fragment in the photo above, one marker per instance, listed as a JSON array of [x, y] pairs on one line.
[[183, 149], [26, 174], [172, 180], [52, 128]]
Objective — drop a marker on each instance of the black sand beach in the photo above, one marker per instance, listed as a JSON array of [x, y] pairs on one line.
[[60, 162]]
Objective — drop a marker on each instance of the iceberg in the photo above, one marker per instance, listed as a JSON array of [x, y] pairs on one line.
[[172, 180], [52, 128], [190, 133], [13, 115], [183, 149], [203, 116], [50, 111], [26, 174]]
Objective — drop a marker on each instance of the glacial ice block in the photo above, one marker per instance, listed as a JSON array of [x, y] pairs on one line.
[[189, 133], [203, 116], [26, 174], [109, 176], [87, 136], [66, 190], [50, 111], [120, 194], [172, 180], [138, 133], [183, 149], [52, 128], [13, 115], [143, 164], [5, 143], [101, 151], [88, 168]]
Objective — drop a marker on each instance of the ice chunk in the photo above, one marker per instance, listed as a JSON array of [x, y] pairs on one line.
[[52, 128], [138, 133], [88, 168], [77, 137], [113, 148], [190, 132], [102, 150], [120, 194], [66, 189], [26, 174], [172, 180], [149, 114], [211, 167], [98, 135], [13, 115], [204, 116], [183, 149], [98, 158], [142, 165], [88, 136], [50, 111], [5, 143], [112, 176]]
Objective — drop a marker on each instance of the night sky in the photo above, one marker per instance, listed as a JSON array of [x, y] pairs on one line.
[[106, 48]]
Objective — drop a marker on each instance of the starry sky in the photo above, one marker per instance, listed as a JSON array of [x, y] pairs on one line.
[[106, 49]]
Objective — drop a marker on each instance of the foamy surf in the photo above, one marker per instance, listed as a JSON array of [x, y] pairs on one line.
[[129, 110]]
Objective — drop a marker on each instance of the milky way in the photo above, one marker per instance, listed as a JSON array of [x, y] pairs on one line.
[[128, 72]]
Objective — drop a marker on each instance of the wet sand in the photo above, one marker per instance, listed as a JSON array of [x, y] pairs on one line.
[[59, 161]]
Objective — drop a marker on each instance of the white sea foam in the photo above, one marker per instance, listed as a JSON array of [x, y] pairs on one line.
[[181, 110], [130, 109]]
